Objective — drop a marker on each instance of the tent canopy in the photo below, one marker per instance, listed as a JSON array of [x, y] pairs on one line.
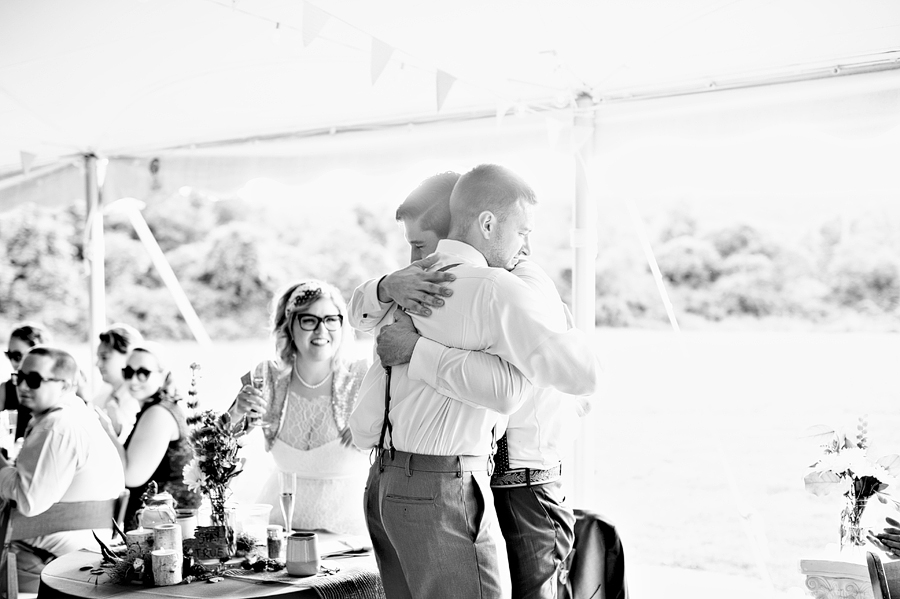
[[125, 77]]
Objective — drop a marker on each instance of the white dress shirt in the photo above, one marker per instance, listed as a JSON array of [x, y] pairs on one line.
[[490, 310], [66, 457]]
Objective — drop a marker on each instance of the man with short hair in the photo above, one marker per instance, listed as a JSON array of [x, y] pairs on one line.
[[428, 508], [66, 457]]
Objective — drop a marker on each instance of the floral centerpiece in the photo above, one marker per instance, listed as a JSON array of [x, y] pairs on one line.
[[847, 466], [216, 441]]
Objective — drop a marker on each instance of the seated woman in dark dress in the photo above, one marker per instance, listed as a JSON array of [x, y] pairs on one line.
[[157, 448]]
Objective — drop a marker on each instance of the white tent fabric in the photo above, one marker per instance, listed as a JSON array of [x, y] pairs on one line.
[[122, 77]]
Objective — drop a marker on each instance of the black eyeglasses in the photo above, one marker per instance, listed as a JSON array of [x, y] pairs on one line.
[[33, 379], [142, 373], [14, 356], [310, 322]]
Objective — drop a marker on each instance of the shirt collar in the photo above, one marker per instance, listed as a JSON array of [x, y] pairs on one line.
[[461, 249]]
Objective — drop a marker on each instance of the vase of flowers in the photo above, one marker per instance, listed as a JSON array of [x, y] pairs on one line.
[[216, 441], [847, 466]]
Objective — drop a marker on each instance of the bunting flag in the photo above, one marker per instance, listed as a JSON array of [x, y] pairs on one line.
[[27, 159], [381, 55], [314, 20], [502, 108], [555, 129], [444, 82], [581, 134]]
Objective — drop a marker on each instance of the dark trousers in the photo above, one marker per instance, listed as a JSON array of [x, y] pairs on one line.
[[430, 519], [539, 530]]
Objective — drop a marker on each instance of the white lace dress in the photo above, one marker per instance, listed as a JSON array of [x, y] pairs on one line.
[[330, 477]]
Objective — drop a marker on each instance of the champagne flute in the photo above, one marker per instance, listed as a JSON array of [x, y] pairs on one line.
[[258, 381], [288, 481]]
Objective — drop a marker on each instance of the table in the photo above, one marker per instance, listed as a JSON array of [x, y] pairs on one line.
[[835, 575], [63, 579]]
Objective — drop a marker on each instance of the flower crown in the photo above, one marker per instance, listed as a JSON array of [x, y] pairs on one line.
[[302, 295]]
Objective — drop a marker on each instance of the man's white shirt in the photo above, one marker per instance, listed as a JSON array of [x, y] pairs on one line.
[[490, 310]]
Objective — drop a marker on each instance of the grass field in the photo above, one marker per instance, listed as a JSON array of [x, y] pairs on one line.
[[697, 438]]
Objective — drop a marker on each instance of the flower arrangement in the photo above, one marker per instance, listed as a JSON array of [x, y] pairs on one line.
[[847, 466], [216, 441]]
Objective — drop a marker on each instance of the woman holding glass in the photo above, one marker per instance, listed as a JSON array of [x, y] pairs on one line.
[[23, 338], [158, 447], [302, 402]]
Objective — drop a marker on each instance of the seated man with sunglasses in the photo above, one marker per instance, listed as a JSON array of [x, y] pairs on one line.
[[66, 457]]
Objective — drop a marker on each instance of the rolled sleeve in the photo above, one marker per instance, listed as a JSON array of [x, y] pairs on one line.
[[472, 377], [365, 311]]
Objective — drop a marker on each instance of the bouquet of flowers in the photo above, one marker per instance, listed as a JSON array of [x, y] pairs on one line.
[[216, 441], [847, 466]]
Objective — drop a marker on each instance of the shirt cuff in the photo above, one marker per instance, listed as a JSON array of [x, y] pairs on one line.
[[423, 364]]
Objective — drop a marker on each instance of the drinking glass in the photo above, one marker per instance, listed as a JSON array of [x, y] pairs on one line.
[[288, 482], [258, 381], [11, 420]]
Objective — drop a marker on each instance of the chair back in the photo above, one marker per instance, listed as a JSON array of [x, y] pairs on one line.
[[61, 517], [885, 577], [595, 569]]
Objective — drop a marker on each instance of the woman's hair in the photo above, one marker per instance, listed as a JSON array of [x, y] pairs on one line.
[[293, 300], [31, 333], [121, 337], [167, 389]]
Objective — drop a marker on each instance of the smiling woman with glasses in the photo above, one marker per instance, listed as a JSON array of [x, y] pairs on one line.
[[23, 337], [157, 448], [302, 402]]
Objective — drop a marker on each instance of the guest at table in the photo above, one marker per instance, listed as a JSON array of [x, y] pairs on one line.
[[23, 337], [66, 457], [158, 447], [112, 357], [308, 395]]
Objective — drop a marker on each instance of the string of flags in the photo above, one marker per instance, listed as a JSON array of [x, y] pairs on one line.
[[561, 133]]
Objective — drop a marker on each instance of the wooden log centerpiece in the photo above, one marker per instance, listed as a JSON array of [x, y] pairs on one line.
[[166, 567]]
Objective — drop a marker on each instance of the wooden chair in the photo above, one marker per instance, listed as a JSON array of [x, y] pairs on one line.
[[885, 577], [61, 517]]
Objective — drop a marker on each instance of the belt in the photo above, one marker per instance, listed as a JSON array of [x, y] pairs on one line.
[[526, 477], [421, 462]]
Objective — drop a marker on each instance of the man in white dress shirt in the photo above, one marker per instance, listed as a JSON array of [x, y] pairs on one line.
[[67, 456], [428, 508]]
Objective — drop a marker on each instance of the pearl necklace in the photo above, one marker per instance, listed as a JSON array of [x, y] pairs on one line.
[[307, 385]]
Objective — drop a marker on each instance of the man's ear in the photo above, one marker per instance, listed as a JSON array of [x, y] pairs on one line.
[[487, 223]]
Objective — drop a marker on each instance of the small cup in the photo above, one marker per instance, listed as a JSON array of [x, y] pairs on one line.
[[302, 554]]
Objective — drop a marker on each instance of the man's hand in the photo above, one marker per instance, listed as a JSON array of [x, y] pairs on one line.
[[889, 539], [395, 342], [414, 289]]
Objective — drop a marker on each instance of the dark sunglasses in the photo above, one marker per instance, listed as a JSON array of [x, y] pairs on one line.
[[33, 379], [310, 322], [14, 356], [142, 373]]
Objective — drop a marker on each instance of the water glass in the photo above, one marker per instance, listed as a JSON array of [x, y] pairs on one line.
[[288, 482]]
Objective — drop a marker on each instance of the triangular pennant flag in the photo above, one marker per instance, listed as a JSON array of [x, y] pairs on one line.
[[381, 55], [314, 19], [27, 159], [581, 134], [554, 129], [502, 108], [444, 82]]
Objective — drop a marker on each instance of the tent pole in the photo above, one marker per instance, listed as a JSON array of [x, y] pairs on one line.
[[584, 242], [94, 252]]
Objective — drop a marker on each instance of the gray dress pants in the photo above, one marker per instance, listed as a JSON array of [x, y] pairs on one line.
[[433, 524]]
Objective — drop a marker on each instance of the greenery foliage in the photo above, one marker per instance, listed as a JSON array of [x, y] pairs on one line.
[[231, 257]]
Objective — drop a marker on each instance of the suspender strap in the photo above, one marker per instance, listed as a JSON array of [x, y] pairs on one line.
[[386, 426]]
